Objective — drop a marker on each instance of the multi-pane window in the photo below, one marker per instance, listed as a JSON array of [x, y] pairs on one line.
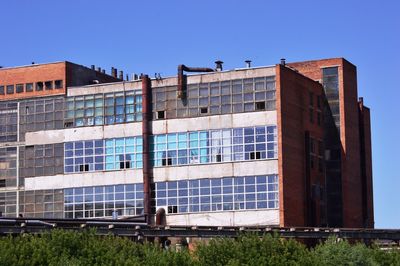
[[41, 160], [103, 201], [42, 203], [234, 96], [8, 167], [212, 146], [8, 204], [41, 114], [218, 194], [8, 121], [330, 82], [10, 89], [99, 155], [104, 109]]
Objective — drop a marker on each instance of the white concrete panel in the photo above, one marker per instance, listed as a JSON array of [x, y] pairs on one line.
[[170, 173], [226, 218], [84, 179], [215, 122], [104, 88], [83, 133]]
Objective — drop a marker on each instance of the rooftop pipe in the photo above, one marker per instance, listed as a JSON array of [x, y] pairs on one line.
[[181, 93]]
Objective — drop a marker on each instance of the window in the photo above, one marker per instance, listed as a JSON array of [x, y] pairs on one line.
[[218, 194], [319, 102], [103, 201], [10, 89], [203, 110], [160, 114], [58, 84], [260, 105], [311, 100], [39, 86], [311, 114], [2, 183], [99, 155], [1, 90], [29, 87], [218, 145], [20, 88], [48, 85]]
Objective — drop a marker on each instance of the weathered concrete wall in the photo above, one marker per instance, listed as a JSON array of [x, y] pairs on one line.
[[84, 179], [226, 218]]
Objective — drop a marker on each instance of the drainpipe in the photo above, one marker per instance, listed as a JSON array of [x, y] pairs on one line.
[[146, 132], [181, 93]]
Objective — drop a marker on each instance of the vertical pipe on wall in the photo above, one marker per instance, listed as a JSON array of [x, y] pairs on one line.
[[146, 132]]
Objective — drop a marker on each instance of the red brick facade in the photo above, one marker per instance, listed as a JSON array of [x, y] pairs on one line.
[[57, 75], [351, 168]]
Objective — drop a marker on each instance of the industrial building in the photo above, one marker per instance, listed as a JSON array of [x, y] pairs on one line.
[[280, 145]]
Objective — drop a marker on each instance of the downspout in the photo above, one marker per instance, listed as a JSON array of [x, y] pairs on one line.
[[146, 132], [181, 92]]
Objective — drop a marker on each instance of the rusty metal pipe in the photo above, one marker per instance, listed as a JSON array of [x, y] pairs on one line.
[[181, 92], [146, 129]]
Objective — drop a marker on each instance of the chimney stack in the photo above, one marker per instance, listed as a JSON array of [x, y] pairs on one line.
[[98, 69], [121, 75], [218, 65], [283, 61], [248, 63], [93, 67]]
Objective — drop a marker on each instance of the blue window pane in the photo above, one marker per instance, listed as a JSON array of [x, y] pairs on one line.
[[193, 136], [79, 145], [193, 183], [205, 207], [227, 190], [250, 205], [161, 185], [249, 139], [161, 202], [262, 196], [183, 201], [261, 188], [216, 199], [227, 181], [260, 130], [172, 201], [194, 208], [172, 193], [260, 138], [261, 179], [237, 132], [183, 192], [183, 209], [204, 182], [204, 191], [249, 131], [161, 194], [250, 179], [69, 145], [183, 184], [262, 205], [216, 190], [98, 167], [228, 198], [109, 143]]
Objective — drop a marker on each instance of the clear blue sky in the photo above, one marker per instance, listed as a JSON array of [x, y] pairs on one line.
[[156, 36]]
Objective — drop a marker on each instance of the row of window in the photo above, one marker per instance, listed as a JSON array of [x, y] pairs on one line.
[[103, 201], [240, 95], [212, 146], [104, 109], [218, 194], [30, 87], [8, 122], [99, 155], [184, 196]]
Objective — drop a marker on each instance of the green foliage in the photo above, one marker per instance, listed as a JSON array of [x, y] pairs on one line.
[[85, 248]]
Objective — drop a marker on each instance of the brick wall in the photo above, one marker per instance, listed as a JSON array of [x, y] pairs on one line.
[[298, 205]]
